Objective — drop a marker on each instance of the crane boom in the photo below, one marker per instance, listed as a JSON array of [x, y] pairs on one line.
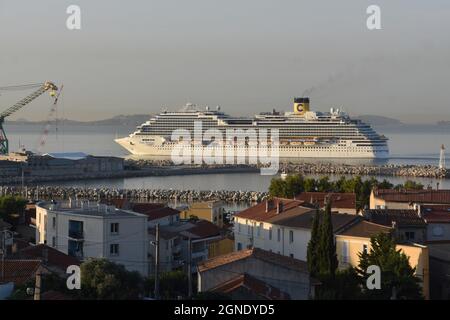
[[4, 147]]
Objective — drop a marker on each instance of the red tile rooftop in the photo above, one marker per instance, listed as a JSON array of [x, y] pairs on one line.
[[365, 229], [338, 200], [19, 271], [293, 215], [254, 285], [259, 212], [402, 217], [154, 211], [52, 256], [420, 196], [267, 256]]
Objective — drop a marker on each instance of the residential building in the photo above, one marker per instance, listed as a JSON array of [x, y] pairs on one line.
[[355, 239], [246, 287], [340, 202], [179, 238], [256, 274], [281, 226], [51, 259], [403, 199], [220, 246], [437, 217], [16, 273], [212, 211], [408, 224], [82, 230], [439, 270]]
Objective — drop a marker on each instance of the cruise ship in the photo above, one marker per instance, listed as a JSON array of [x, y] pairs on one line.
[[302, 133]]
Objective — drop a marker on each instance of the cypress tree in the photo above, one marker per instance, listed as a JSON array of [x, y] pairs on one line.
[[327, 258], [312, 253]]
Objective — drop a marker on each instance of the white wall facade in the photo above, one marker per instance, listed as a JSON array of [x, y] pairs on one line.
[[287, 241], [52, 228]]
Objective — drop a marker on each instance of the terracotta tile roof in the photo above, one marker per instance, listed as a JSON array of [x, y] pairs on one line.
[[293, 215], [436, 213], [163, 233], [365, 229], [254, 285], [420, 196], [154, 211], [267, 256], [54, 257], [402, 217], [19, 271], [258, 212], [204, 229], [146, 207], [338, 200]]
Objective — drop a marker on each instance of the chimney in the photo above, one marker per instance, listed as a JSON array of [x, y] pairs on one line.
[[394, 224], [279, 207]]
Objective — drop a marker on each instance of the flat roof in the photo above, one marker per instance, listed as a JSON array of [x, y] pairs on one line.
[[91, 211]]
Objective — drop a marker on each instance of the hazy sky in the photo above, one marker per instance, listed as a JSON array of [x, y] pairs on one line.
[[246, 55]]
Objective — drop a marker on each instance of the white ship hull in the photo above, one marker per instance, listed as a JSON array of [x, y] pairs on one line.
[[137, 147]]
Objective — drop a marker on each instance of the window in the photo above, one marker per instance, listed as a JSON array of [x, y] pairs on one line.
[[76, 229], [239, 246], [438, 231], [53, 242], [409, 235], [278, 234], [291, 255], [75, 248], [54, 222], [270, 233], [114, 228], [239, 227], [259, 229], [291, 236], [248, 229], [345, 257], [114, 249]]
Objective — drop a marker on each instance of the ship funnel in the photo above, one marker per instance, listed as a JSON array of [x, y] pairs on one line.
[[301, 105]]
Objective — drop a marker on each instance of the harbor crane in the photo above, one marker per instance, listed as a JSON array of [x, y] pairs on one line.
[[41, 88]]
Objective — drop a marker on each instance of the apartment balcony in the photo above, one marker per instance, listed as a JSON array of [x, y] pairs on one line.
[[200, 254]]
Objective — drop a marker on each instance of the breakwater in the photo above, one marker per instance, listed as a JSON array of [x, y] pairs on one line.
[[423, 171], [65, 193]]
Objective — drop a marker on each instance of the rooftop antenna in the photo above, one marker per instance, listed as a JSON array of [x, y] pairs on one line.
[[442, 158]]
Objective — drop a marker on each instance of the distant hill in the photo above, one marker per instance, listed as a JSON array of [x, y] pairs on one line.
[[121, 120], [379, 120]]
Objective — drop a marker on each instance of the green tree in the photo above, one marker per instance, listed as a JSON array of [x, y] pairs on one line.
[[312, 254], [385, 185], [324, 185], [396, 273], [277, 187], [310, 185], [412, 185], [327, 259], [171, 285], [104, 280], [11, 205], [345, 285], [294, 185]]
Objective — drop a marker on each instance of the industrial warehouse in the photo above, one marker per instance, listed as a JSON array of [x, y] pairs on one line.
[[26, 165]]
